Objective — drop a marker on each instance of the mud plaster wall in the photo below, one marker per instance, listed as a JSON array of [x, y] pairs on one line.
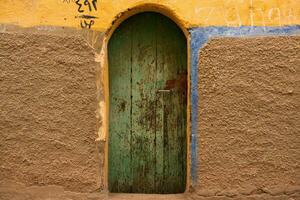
[[248, 116], [48, 101], [49, 96]]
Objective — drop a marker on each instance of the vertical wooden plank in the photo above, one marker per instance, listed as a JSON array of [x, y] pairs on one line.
[[120, 174], [160, 141], [171, 108], [143, 102], [181, 54], [180, 61]]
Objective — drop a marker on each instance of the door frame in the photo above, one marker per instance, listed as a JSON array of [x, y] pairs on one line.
[[104, 109]]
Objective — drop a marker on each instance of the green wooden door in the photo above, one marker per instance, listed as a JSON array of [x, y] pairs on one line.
[[147, 84]]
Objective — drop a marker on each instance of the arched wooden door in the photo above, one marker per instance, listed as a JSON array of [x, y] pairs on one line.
[[148, 98]]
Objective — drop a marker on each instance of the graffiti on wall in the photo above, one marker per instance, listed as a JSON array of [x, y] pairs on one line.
[[86, 10], [256, 16]]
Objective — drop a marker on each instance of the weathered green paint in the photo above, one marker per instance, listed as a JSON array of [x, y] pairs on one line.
[[147, 143]]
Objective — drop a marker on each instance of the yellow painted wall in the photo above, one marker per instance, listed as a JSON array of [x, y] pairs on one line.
[[191, 12]]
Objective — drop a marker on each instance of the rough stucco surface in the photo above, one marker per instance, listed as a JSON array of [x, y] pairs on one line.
[[248, 139], [48, 105], [249, 117]]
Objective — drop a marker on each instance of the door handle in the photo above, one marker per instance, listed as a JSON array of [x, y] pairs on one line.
[[165, 91]]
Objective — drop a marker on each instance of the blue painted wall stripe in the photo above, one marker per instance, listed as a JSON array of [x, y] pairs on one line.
[[199, 36]]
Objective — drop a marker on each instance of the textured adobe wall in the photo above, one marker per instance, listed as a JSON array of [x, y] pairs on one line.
[[48, 105], [248, 140], [249, 116]]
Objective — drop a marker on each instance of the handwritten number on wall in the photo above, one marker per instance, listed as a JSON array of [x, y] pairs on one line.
[[95, 4], [91, 5], [83, 6], [79, 6], [87, 23]]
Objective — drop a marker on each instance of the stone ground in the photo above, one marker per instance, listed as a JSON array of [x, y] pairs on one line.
[[13, 191]]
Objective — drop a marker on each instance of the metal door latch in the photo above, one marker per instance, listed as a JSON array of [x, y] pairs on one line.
[[167, 91]]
